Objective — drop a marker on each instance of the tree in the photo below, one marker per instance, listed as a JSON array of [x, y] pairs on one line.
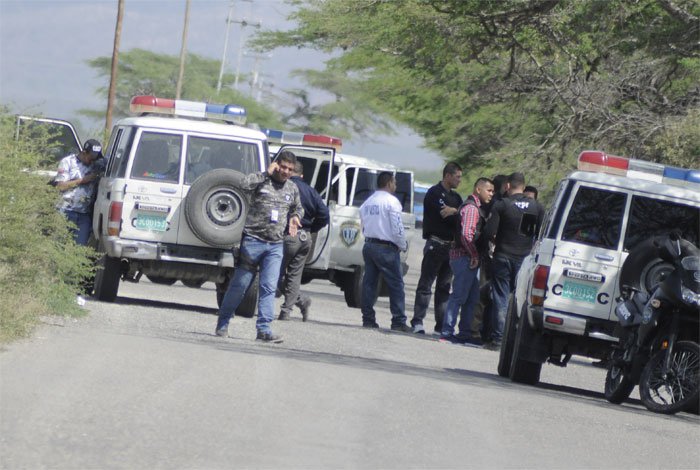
[[518, 84]]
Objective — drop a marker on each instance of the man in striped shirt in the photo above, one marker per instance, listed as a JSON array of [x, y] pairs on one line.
[[465, 255]]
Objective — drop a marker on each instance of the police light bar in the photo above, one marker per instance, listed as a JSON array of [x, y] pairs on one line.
[[150, 104], [591, 160], [298, 138]]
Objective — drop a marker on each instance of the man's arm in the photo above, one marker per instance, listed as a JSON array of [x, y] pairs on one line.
[[470, 219], [321, 217], [398, 235]]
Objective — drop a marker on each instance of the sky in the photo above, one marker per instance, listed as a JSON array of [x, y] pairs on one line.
[[45, 45]]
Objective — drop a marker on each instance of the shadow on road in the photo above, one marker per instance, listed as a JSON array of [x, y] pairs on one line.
[[167, 305]]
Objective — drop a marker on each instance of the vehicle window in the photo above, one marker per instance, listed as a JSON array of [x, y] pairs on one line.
[[309, 168], [54, 140], [205, 154], [595, 218], [555, 213], [650, 217], [364, 187], [322, 182], [120, 153], [157, 157], [404, 190]]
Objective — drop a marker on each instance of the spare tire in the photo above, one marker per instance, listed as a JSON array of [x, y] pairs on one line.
[[643, 269], [215, 208]]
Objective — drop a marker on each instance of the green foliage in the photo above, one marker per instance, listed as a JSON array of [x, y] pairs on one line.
[[144, 72], [517, 85], [40, 265]]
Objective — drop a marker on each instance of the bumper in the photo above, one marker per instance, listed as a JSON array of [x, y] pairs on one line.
[[139, 250], [559, 322]]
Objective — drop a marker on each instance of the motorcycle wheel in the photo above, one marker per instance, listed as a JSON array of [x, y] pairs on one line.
[[619, 382], [678, 391]]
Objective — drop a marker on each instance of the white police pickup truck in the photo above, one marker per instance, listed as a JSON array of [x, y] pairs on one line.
[[344, 182], [168, 206], [564, 300]]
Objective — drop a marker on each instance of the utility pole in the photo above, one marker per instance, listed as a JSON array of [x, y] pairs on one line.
[[243, 22], [183, 50], [229, 19], [115, 64]]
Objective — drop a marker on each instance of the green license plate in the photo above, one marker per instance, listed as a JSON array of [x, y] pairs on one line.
[[581, 292], [156, 223]]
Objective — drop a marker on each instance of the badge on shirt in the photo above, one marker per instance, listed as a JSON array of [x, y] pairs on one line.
[[274, 215]]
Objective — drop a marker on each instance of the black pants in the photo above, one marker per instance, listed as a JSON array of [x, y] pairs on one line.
[[435, 268]]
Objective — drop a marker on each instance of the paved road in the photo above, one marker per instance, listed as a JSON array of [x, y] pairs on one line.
[[143, 383]]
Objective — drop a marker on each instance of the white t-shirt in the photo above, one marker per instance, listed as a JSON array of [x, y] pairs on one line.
[[381, 218]]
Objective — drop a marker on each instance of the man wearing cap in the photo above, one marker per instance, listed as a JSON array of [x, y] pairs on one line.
[[77, 179]]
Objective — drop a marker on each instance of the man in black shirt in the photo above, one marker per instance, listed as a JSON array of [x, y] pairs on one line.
[[513, 224], [440, 223]]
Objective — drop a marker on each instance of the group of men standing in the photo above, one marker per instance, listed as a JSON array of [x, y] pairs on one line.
[[482, 240]]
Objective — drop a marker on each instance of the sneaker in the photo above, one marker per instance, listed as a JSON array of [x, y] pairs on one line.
[[418, 329], [222, 332], [269, 337], [402, 328], [468, 340], [437, 333], [284, 316], [370, 324], [305, 309], [492, 346], [448, 339]]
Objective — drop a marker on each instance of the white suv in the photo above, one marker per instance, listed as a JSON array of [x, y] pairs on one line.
[[564, 300], [168, 205], [344, 182]]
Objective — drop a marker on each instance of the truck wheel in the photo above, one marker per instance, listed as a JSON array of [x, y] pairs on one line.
[[248, 305], [521, 370], [193, 283], [166, 281], [352, 287], [215, 207], [107, 278], [506, 353]]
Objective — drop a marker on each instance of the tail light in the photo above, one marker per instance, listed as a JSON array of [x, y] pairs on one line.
[[114, 223], [539, 285]]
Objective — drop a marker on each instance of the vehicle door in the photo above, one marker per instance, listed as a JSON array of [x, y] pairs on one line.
[[53, 138], [153, 192], [318, 163], [405, 194], [587, 252]]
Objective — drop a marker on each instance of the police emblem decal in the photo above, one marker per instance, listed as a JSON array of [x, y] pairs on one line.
[[349, 232]]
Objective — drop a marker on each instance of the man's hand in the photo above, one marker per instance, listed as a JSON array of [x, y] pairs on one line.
[[447, 211], [474, 263], [271, 169], [88, 178], [294, 225]]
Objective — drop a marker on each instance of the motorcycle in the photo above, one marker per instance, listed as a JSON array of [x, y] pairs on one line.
[[658, 316]]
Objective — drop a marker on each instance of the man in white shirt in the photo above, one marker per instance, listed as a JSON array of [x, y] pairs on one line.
[[384, 239]]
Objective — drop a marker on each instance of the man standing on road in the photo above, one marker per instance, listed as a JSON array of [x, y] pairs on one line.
[[77, 179], [297, 248], [514, 222], [384, 235], [440, 222], [468, 249], [274, 204]]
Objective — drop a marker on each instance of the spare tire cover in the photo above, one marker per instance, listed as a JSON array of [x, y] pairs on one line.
[[215, 208], [643, 269]]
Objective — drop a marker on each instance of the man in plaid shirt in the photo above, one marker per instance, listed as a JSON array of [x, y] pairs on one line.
[[464, 261]]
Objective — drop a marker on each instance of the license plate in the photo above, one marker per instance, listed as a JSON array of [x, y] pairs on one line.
[[581, 292], [156, 223]]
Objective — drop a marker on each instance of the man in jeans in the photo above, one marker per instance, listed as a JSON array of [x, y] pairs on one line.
[[274, 204], [514, 223], [297, 248], [440, 222], [382, 227], [465, 256]]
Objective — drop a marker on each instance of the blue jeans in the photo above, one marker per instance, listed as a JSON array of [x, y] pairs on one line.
[[83, 222], [463, 298], [382, 259], [268, 256], [505, 270]]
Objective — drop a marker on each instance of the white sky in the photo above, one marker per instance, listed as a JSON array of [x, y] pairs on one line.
[[44, 46]]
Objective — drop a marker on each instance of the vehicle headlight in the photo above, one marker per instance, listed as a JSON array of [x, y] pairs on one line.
[[690, 297]]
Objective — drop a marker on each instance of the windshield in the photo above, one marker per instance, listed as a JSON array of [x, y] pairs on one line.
[[366, 184]]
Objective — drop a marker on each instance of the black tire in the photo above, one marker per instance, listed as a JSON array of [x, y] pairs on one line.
[[107, 278], [215, 208], [193, 283], [643, 268], [679, 390], [249, 304], [620, 380], [166, 281], [505, 355], [352, 287], [522, 370]]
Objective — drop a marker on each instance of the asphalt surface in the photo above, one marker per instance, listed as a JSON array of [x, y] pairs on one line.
[[143, 383]]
